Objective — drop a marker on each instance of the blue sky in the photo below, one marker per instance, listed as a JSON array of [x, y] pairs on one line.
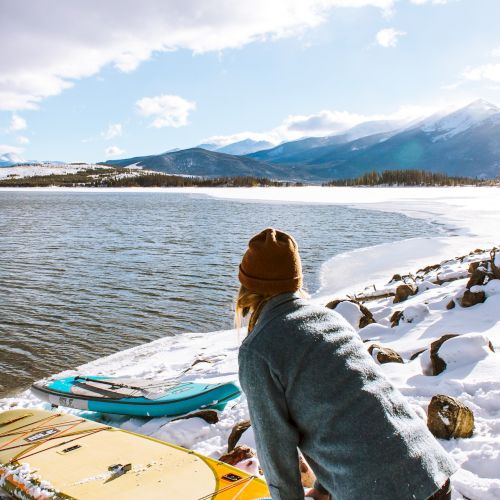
[[94, 81]]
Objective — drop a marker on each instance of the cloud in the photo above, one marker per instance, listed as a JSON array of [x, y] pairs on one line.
[[113, 130], [489, 72], [17, 123], [167, 110], [323, 123], [23, 139], [496, 52], [388, 37], [46, 54], [113, 151]]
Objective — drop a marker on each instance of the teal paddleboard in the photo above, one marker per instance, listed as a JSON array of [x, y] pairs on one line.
[[137, 397]]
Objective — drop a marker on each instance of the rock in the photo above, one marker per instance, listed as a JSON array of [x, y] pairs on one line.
[[395, 279], [473, 266], [366, 315], [451, 305], [237, 455], [449, 418], [210, 416], [307, 476], [438, 364], [385, 354], [404, 291], [415, 355], [395, 318], [478, 277], [236, 433], [470, 299], [495, 264]]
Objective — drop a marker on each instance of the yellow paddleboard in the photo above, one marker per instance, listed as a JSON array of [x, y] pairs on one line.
[[44, 453]]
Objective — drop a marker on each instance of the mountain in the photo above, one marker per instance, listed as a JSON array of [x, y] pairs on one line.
[[305, 150], [464, 142], [9, 159], [244, 147], [198, 161]]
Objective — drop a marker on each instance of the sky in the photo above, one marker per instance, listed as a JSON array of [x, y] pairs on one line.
[[90, 81]]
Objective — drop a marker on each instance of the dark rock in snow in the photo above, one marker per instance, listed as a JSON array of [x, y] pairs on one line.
[[385, 354], [470, 299], [449, 418], [237, 455], [396, 316], [415, 355], [438, 364], [366, 318], [404, 291], [210, 416], [236, 433], [451, 304]]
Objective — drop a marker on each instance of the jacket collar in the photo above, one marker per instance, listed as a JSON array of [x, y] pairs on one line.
[[270, 309]]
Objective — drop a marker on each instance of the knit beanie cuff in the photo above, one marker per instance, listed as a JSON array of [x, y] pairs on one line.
[[271, 286]]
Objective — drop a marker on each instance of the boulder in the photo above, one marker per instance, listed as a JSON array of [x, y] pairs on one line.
[[404, 291], [449, 418], [479, 276], [451, 305], [366, 317], [395, 318], [210, 416], [236, 433], [237, 455], [438, 364], [384, 354], [470, 299]]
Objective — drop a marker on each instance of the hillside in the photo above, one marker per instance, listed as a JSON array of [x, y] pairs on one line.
[[198, 161]]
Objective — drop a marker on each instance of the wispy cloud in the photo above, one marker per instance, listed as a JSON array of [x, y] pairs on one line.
[[113, 130], [8, 149], [17, 123], [389, 37], [23, 139], [323, 123], [113, 151], [166, 110], [488, 72]]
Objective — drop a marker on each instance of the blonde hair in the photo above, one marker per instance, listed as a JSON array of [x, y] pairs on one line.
[[248, 302]]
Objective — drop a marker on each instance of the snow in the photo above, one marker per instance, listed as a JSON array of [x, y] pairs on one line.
[[46, 169], [472, 375]]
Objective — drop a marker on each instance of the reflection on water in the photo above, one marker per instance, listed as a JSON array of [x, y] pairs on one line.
[[83, 275]]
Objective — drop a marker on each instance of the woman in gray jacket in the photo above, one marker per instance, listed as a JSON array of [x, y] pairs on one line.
[[312, 386]]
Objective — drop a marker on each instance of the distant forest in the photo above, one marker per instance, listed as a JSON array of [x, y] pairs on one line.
[[118, 177], [114, 178], [408, 178]]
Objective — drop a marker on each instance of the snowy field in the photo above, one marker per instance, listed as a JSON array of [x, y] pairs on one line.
[[472, 374]]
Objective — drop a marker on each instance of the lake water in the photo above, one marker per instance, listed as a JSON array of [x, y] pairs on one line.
[[85, 274]]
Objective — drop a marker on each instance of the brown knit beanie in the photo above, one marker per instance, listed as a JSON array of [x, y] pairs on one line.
[[271, 265]]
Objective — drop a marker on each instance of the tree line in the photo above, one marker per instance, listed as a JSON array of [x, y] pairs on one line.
[[115, 178], [407, 178]]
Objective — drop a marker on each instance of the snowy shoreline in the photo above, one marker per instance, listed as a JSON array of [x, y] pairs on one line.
[[473, 218]]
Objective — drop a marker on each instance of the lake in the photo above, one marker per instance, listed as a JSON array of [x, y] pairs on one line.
[[86, 274]]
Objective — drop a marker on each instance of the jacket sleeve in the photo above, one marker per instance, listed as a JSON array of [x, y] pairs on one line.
[[276, 436]]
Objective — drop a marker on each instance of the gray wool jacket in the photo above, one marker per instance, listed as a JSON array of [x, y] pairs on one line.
[[311, 385]]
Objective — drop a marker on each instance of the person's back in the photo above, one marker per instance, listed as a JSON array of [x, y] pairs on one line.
[[360, 436], [311, 384]]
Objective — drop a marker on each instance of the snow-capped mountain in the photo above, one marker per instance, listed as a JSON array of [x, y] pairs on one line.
[[9, 159], [244, 147], [473, 115], [463, 142]]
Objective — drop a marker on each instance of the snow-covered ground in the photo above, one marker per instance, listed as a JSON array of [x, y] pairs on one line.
[[46, 169], [473, 371]]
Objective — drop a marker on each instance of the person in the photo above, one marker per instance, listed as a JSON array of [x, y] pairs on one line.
[[312, 386]]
